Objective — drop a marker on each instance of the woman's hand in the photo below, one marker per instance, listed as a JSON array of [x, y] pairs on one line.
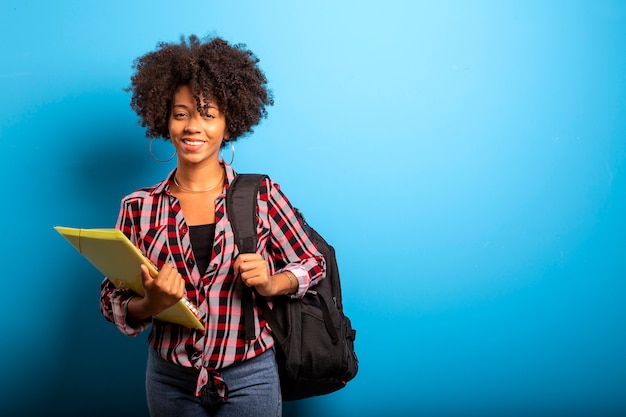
[[160, 292], [254, 272]]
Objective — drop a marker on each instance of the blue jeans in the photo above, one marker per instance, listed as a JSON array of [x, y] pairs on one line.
[[253, 389]]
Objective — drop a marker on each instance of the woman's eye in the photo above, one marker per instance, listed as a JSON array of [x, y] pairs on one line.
[[179, 115]]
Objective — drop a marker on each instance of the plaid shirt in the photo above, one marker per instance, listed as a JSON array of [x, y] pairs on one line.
[[153, 221]]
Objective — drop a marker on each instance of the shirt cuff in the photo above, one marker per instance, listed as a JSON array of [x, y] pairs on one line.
[[304, 281], [127, 326]]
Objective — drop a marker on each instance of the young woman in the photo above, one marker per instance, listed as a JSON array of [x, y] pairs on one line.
[[202, 96]]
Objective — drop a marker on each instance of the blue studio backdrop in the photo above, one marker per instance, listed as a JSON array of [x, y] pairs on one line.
[[466, 159]]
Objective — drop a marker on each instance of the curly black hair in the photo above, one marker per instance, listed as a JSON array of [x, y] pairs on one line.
[[213, 69]]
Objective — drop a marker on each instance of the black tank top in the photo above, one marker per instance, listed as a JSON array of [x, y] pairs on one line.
[[202, 237]]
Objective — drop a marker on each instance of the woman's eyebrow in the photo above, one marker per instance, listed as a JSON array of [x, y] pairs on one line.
[[209, 106]]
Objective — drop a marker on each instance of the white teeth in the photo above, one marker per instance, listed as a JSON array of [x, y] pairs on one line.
[[193, 142]]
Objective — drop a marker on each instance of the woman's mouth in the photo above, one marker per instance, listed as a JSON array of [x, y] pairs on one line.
[[192, 142]]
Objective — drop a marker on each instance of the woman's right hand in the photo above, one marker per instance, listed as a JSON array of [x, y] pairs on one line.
[[160, 292]]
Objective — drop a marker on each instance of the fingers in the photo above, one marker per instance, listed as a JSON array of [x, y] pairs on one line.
[[170, 281], [246, 258], [252, 269], [145, 275], [168, 284], [161, 291]]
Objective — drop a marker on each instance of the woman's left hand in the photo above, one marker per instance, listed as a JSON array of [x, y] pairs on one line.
[[254, 272]]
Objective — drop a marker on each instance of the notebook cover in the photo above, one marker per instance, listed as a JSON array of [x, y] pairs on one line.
[[114, 255]]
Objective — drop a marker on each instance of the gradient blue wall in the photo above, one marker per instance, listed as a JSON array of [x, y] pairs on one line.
[[466, 158]]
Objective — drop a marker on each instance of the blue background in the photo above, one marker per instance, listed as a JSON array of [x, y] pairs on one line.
[[466, 159]]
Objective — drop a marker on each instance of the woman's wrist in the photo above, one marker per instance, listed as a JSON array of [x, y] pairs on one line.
[[293, 282], [138, 309]]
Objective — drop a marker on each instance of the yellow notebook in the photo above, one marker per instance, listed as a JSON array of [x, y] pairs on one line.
[[114, 255]]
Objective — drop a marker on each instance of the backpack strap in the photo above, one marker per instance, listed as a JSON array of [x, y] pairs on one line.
[[241, 204]]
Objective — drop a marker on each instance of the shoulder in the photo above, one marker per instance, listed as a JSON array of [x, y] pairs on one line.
[[139, 194], [147, 193], [269, 190]]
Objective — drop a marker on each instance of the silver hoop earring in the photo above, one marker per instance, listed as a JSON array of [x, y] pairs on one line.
[[157, 159], [232, 158]]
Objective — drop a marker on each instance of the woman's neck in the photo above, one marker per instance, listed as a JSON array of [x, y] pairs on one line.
[[195, 178]]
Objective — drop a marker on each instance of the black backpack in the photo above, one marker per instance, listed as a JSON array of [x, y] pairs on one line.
[[315, 339]]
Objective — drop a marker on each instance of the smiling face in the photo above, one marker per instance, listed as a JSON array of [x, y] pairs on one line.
[[196, 136]]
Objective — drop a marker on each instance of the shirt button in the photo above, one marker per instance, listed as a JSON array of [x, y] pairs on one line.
[[190, 262], [183, 230]]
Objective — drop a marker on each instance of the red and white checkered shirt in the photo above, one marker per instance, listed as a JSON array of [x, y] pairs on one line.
[[152, 219]]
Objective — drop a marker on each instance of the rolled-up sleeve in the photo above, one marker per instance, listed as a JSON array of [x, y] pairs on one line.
[[291, 245], [114, 301], [114, 308]]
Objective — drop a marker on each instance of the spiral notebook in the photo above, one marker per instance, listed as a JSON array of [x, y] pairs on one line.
[[114, 255]]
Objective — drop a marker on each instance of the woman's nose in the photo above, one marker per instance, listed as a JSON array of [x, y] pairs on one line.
[[192, 125]]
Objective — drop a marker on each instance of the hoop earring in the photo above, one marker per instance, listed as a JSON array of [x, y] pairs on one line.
[[157, 159], [232, 158]]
